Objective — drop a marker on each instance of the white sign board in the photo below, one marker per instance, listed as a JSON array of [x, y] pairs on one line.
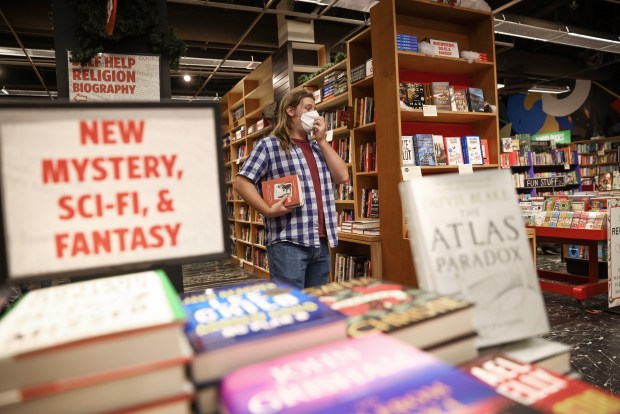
[[613, 269], [88, 187], [114, 78]]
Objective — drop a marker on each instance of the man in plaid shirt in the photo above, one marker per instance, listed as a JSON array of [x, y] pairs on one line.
[[298, 239]]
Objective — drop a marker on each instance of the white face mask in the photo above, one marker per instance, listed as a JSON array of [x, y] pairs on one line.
[[307, 120]]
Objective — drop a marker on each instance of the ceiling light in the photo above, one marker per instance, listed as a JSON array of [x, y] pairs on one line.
[[549, 89], [4, 91], [187, 78]]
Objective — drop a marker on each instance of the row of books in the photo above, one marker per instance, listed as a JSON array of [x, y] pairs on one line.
[[345, 214], [576, 251], [363, 111], [370, 203], [247, 254], [590, 220], [340, 347], [343, 148], [343, 192], [561, 156], [368, 157], [443, 95], [431, 150], [334, 84], [361, 71], [336, 119], [406, 42], [347, 267], [261, 259], [595, 146], [608, 158]]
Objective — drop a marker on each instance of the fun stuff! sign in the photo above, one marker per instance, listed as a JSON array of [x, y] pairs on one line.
[[110, 77], [108, 185]]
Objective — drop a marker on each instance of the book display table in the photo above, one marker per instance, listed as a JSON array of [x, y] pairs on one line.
[[578, 287]]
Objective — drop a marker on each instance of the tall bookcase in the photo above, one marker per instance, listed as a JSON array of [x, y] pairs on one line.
[[242, 113], [597, 156], [472, 30]]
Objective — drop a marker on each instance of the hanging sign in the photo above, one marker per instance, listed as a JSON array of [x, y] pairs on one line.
[[113, 78], [557, 181], [102, 186]]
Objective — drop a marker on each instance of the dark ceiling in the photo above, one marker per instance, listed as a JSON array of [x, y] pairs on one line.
[[212, 28]]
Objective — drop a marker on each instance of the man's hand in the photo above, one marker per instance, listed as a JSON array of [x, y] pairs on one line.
[[278, 209], [319, 129]]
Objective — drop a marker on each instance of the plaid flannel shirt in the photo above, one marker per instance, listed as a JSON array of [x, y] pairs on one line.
[[301, 226]]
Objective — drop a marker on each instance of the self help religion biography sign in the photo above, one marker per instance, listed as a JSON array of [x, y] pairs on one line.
[[110, 186]]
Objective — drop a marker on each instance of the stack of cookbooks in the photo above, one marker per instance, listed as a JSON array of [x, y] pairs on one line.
[[105, 345]]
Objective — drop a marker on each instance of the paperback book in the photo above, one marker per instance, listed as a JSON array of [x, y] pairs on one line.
[[236, 325], [470, 242]]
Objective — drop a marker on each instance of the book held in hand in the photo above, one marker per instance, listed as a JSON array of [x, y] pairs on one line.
[[288, 187], [232, 326], [470, 242]]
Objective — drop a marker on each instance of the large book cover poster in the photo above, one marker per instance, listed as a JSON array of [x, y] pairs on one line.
[[471, 243]]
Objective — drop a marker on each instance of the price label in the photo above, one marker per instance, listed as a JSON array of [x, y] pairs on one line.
[[429, 110], [567, 166], [466, 168], [411, 173]]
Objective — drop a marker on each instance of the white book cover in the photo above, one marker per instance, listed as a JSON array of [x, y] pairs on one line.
[[408, 156], [474, 149], [454, 150], [470, 241]]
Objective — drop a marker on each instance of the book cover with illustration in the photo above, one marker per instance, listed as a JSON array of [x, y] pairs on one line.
[[539, 388], [472, 150], [424, 150], [454, 150], [107, 324], [476, 99], [441, 157], [407, 151], [374, 374], [441, 95], [288, 187], [471, 243], [231, 326], [417, 317], [460, 100]]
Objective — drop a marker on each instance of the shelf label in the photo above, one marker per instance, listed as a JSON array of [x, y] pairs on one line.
[[558, 181], [567, 166], [429, 110], [329, 137], [613, 234], [411, 173], [466, 168], [601, 153]]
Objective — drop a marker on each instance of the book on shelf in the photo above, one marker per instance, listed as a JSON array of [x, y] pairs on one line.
[[475, 97], [441, 95], [288, 187], [235, 325], [454, 150], [484, 146], [551, 355], [460, 100], [540, 389], [371, 374], [470, 243], [86, 338], [472, 150], [441, 157], [347, 267], [424, 150], [506, 144], [423, 319], [407, 151]]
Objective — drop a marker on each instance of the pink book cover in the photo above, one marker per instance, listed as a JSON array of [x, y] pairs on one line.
[[357, 375]]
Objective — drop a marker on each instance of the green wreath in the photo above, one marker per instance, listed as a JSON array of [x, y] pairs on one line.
[[134, 18]]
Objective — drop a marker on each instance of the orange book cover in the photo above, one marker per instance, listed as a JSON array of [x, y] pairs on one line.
[[288, 186]]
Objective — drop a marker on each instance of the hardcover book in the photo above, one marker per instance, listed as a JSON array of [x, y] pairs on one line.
[[471, 243], [454, 151], [420, 318], [424, 150], [407, 151], [547, 354], [90, 328], [374, 374], [506, 144], [540, 389], [472, 150], [236, 325], [288, 187], [460, 100], [441, 95], [441, 157], [476, 99]]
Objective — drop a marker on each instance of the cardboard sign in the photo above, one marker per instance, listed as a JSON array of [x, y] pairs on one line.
[[98, 187], [113, 78], [613, 269]]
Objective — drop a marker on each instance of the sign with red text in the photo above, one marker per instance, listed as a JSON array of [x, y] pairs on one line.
[[92, 187], [113, 78], [444, 48]]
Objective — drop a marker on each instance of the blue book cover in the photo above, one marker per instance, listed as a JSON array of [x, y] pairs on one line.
[[424, 149], [235, 314]]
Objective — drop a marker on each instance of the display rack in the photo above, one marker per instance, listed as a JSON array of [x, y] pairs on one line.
[[472, 30]]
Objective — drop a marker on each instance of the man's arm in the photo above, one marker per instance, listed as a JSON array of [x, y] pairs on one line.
[[337, 167], [245, 187]]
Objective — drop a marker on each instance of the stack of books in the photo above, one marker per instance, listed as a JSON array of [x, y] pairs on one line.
[[367, 227], [440, 325], [334, 84], [406, 42], [106, 345], [233, 326]]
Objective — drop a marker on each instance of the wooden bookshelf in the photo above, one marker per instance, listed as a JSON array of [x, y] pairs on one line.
[[472, 30], [254, 93], [606, 153]]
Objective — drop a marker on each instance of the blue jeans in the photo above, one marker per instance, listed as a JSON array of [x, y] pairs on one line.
[[299, 266]]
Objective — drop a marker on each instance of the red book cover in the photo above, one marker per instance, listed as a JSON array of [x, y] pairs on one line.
[[540, 389], [288, 186], [485, 150]]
